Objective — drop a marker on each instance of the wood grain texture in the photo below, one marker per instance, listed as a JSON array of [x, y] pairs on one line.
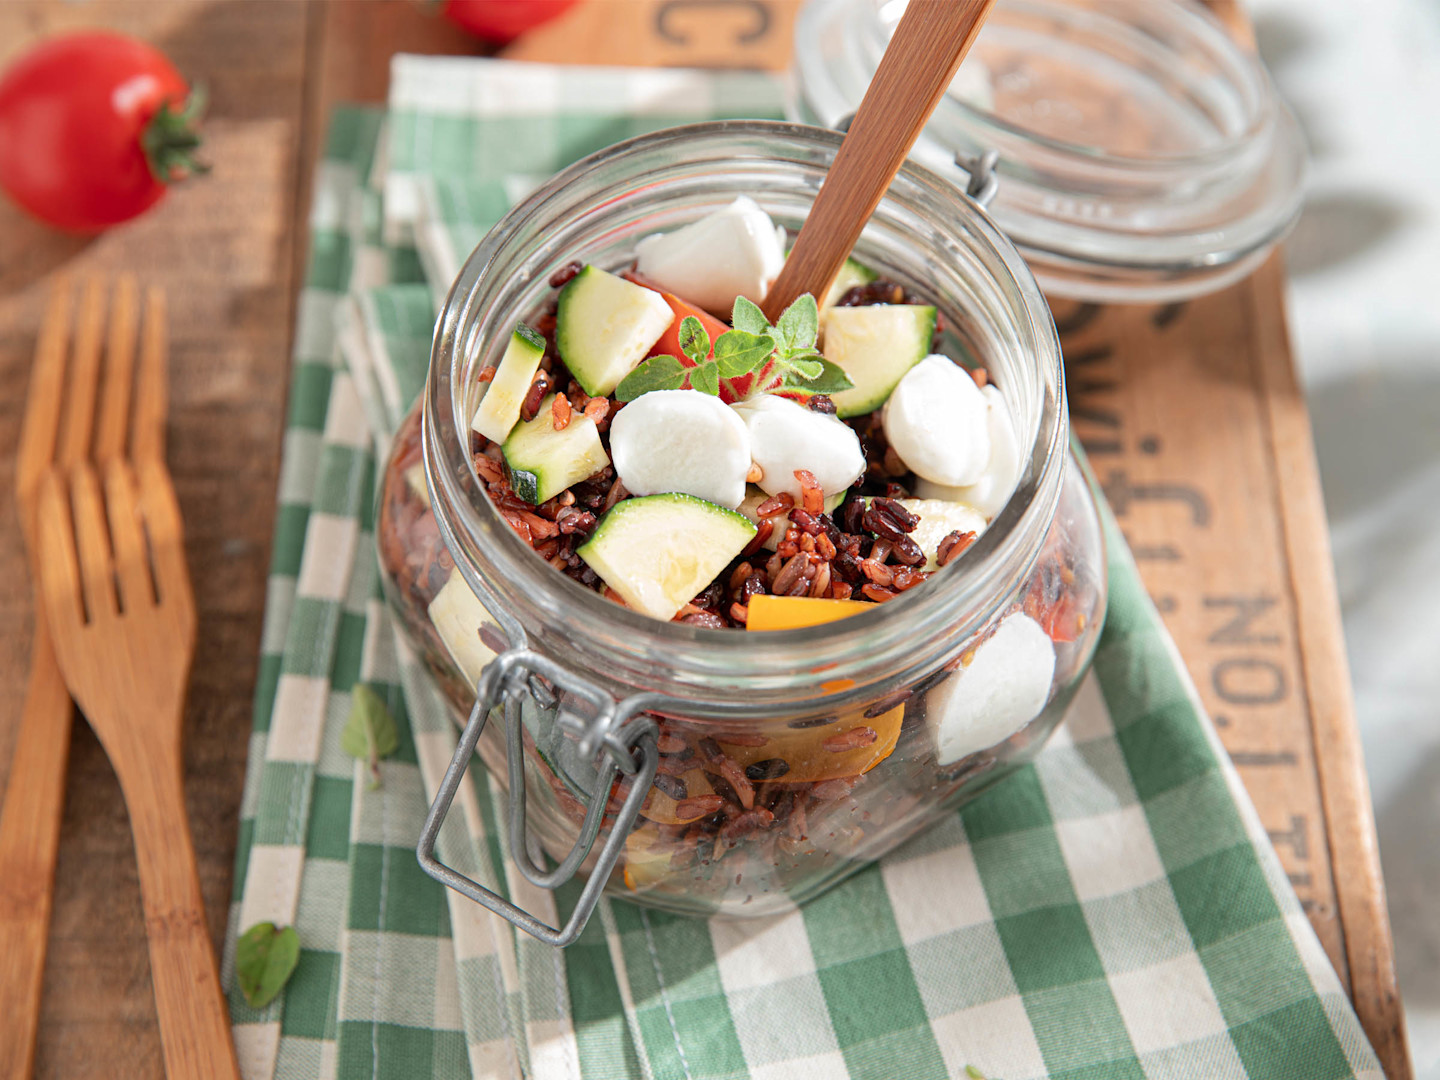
[[29, 846], [34, 801], [222, 247], [121, 616], [929, 42], [1344, 786], [1160, 393]]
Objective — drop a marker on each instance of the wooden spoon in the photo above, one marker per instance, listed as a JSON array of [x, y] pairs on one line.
[[932, 38]]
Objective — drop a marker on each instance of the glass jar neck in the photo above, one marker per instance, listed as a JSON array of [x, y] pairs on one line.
[[1143, 156], [925, 234]]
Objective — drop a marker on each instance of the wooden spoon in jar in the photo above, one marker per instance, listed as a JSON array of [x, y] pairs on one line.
[[931, 39]]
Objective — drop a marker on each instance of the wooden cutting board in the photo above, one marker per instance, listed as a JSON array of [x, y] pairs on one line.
[[1192, 417]]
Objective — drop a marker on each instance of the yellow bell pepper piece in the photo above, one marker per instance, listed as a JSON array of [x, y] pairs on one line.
[[792, 612]]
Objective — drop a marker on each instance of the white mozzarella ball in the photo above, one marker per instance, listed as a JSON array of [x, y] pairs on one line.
[[992, 491], [737, 251], [785, 436], [935, 419], [1004, 687], [681, 440]]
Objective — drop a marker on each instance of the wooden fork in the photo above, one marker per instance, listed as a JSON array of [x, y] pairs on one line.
[[122, 624], [60, 429]]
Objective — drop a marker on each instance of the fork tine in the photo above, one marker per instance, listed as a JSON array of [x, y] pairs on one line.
[[93, 542], [59, 574], [114, 404], [151, 392], [42, 403], [167, 539], [81, 385], [131, 564]]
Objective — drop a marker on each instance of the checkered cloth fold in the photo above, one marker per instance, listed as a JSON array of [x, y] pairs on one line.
[[1114, 910]]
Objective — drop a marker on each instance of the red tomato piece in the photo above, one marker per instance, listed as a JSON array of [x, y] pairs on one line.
[[731, 390], [670, 340], [92, 129], [502, 21]]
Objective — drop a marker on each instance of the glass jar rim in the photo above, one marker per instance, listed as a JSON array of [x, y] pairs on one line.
[[705, 665], [1096, 222]]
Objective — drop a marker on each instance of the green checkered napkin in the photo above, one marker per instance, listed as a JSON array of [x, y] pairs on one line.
[[1114, 910]]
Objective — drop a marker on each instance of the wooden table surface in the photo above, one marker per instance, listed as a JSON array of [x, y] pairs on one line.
[[1192, 416]]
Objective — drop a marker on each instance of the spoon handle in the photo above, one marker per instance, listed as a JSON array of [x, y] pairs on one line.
[[931, 39]]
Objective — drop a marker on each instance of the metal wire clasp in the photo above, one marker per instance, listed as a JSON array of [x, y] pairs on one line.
[[983, 183], [628, 741], [980, 168]]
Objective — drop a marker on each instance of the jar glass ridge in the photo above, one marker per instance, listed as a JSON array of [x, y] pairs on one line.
[[926, 235], [1143, 155]]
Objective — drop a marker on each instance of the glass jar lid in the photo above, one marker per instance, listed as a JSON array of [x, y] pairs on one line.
[[1143, 156]]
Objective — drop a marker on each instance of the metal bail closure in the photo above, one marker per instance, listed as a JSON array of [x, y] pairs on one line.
[[629, 742], [983, 183]]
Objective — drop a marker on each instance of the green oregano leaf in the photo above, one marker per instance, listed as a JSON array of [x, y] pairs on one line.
[[706, 379], [739, 352], [807, 369], [831, 379], [694, 341], [746, 316], [799, 325], [370, 732], [265, 958], [662, 372]]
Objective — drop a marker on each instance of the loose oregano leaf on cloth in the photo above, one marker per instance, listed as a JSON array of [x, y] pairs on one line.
[[265, 958], [370, 732], [657, 373]]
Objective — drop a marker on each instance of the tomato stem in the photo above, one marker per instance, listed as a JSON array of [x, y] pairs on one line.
[[171, 139]]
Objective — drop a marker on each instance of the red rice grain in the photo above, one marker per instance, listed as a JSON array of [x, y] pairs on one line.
[[878, 573], [741, 738], [762, 533], [490, 471], [782, 503], [952, 546], [698, 806], [853, 739], [812, 497], [560, 412]]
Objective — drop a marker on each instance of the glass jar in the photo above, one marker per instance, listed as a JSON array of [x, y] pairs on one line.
[[1142, 155], [823, 747]]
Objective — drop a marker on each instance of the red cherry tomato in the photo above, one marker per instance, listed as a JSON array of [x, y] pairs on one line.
[[502, 21], [92, 128]]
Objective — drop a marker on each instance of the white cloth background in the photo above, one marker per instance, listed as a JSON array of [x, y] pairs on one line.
[[1364, 260]]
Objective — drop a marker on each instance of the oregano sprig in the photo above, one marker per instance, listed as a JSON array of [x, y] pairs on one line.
[[788, 348], [734, 353], [798, 365]]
